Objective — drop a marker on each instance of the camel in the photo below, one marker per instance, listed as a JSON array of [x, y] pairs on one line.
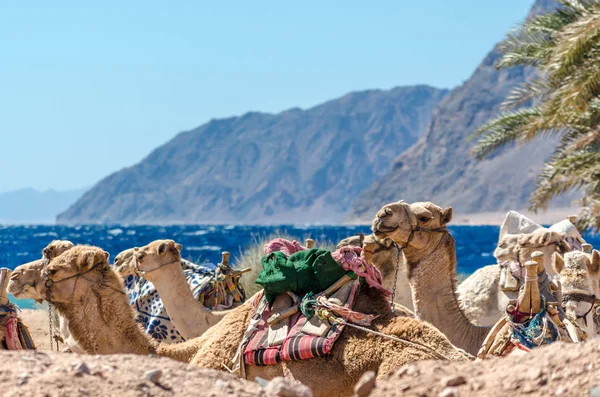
[[579, 273], [481, 295], [160, 263], [430, 255], [24, 285], [89, 293], [385, 258]]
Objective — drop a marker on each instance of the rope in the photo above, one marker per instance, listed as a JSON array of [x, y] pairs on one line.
[[326, 315], [50, 325], [398, 253]]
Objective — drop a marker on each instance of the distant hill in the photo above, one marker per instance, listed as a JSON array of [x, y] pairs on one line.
[[293, 167], [34, 206], [440, 167]]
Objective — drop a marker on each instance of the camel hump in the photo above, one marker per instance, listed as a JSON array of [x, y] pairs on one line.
[[310, 243]]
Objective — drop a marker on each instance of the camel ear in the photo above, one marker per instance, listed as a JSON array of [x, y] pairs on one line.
[[89, 258], [446, 215], [162, 248], [558, 263], [179, 247], [595, 263]]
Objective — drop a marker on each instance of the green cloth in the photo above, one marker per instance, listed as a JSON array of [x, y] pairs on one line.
[[306, 271]]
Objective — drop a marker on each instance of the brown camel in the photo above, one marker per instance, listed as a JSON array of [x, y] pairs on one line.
[[385, 258], [430, 255], [87, 291], [160, 263]]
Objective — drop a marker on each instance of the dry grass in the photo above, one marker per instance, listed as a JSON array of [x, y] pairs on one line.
[[251, 257]]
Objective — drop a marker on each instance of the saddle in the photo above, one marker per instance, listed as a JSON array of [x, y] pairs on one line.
[[281, 332]]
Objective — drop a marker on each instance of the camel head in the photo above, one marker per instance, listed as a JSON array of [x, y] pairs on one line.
[[55, 248], [400, 222], [579, 273], [26, 281], [519, 247], [157, 255], [72, 274], [124, 265]]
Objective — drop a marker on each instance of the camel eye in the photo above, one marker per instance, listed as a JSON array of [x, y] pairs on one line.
[[424, 218], [51, 272]]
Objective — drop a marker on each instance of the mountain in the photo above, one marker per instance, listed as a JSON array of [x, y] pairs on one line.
[[440, 167], [34, 206], [293, 167]]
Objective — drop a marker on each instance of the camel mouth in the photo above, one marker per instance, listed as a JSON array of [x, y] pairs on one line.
[[15, 291]]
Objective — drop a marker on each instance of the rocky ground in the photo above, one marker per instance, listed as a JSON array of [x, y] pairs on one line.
[[557, 370]]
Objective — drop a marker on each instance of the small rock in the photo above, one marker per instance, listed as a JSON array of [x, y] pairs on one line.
[[595, 391], [23, 379], [81, 368], [153, 375], [528, 388], [281, 387], [475, 386], [412, 370], [534, 373], [365, 384], [449, 392], [560, 390], [542, 381], [456, 380]]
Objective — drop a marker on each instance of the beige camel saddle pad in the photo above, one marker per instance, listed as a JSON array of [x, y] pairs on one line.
[[296, 337]]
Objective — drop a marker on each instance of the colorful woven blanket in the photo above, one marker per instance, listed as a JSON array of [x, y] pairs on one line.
[[17, 335], [151, 312], [297, 344]]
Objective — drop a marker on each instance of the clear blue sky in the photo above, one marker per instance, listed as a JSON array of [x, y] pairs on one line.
[[87, 88]]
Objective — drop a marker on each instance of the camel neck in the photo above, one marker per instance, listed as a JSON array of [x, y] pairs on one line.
[[432, 277], [188, 315], [102, 322]]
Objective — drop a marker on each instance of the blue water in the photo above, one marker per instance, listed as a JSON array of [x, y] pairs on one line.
[[21, 244]]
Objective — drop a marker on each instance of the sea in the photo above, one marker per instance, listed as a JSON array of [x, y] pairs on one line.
[[204, 243]]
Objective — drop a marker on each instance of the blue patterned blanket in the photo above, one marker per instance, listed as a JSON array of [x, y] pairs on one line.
[[151, 312]]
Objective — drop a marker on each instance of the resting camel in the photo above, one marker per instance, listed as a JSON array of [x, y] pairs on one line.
[[160, 263], [481, 295], [579, 273], [430, 256], [89, 293], [384, 257], [24, 279]]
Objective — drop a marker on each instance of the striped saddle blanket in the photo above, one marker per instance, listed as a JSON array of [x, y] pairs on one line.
[[17, 335], [260, 348]]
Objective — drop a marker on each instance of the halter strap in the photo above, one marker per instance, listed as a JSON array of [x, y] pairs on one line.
[[142, 273], [581, 297]]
